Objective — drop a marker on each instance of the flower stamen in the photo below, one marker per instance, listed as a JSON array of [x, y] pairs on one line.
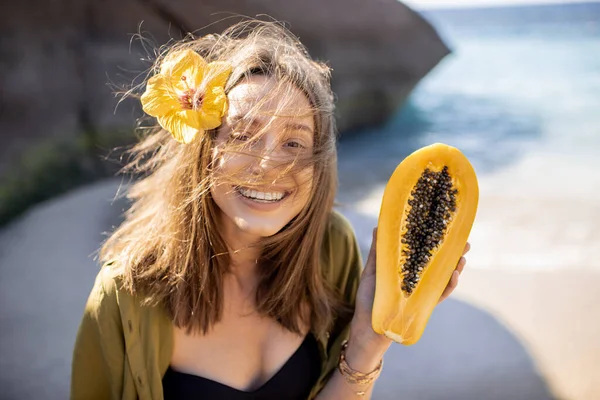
[[198, 99], [190, 100]]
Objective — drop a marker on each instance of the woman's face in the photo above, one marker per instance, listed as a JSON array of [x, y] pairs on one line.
[[274, 128]]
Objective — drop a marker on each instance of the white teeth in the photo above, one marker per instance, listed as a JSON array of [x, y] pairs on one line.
[[270, 196]]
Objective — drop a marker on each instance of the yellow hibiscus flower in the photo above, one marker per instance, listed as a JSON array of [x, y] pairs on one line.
[[188, 95]]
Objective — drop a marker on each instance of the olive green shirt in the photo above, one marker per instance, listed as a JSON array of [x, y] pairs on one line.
[[123, 349]]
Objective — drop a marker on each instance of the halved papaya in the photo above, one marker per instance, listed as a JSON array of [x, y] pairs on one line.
[[428, 209]]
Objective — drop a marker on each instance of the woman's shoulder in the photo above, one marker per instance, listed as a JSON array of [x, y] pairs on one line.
[[108, 280], [108, 295], [111, 303]]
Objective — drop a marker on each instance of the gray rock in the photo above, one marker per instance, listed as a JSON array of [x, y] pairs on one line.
[[58, 58]]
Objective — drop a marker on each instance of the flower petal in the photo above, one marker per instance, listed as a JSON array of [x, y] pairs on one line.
[[183, 125], [159, 97], [217, 74], [177, 63], [215, 100], [210, 119]]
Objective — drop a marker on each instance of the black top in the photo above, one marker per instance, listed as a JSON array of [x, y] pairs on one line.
[[292, 382]]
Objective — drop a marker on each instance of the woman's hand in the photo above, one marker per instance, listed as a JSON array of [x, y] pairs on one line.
[[361, 330]]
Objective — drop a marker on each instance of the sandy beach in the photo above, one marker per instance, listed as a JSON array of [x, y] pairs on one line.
[[535, 266], [523, 323], [555, 316], [533, 269]]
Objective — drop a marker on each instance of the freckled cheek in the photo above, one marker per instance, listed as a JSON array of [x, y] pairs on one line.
[[231, 164], [304, 182]]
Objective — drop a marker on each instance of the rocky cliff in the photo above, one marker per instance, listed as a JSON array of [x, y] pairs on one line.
[[58, 58]]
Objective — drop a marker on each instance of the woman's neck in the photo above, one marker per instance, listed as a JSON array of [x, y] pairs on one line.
[[244, 253]]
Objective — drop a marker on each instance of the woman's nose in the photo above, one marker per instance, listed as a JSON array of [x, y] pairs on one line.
[[265, 161], [270, 151], [271, 157]]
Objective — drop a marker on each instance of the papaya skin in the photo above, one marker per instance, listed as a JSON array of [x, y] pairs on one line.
[[397, 314]]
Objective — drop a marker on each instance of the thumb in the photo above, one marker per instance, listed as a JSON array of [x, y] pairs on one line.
[[371, 259]]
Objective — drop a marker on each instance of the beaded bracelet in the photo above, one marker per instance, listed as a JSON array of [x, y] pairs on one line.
[[353, 376]]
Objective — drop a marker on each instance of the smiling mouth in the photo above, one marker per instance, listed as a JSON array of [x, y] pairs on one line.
[[262, 197]]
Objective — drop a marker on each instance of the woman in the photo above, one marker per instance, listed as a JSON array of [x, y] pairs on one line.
[[232, 277]]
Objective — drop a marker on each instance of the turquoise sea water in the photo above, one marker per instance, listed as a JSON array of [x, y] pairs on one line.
[[520, 96], [518, 79]]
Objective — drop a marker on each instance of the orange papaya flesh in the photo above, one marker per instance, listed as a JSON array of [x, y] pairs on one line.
[[428, 209]]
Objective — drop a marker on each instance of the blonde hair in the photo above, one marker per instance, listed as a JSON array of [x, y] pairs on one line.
[[169, 250]]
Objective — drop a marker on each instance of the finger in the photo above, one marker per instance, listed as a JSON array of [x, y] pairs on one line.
[[452, 283], [450, 287], [467, 248], [461, 265]]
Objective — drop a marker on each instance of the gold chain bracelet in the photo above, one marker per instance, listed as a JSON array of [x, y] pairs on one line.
[[355, 377]]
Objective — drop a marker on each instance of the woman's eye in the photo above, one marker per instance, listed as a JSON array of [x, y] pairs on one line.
[[242, 137], [294, 144]]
